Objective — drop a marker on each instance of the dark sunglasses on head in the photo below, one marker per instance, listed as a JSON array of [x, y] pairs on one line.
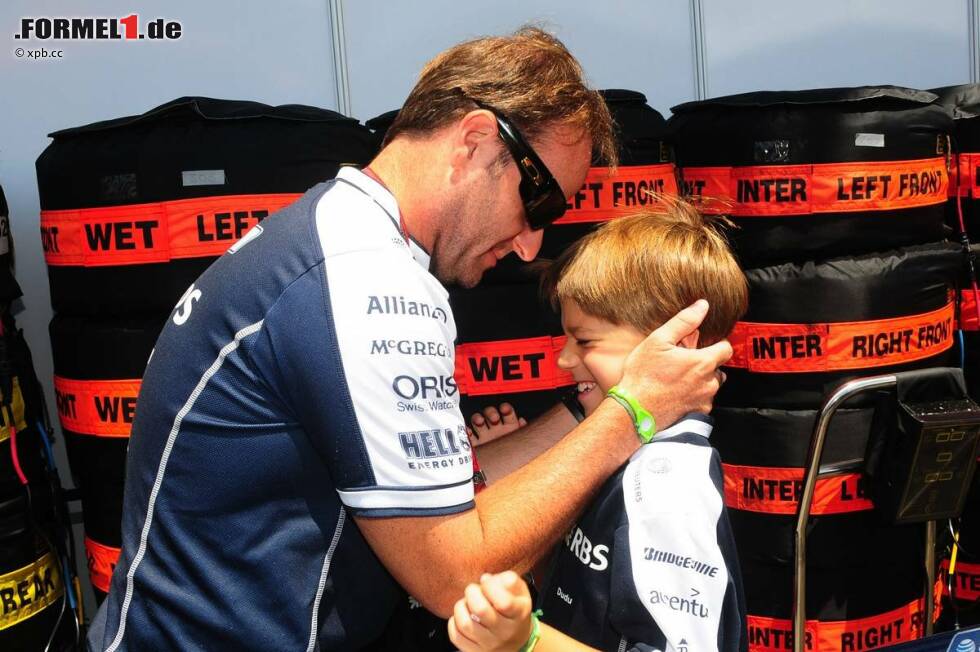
[[544, 201]]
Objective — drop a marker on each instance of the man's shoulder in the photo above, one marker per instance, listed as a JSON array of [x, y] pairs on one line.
[[365, 252], [350, 221]]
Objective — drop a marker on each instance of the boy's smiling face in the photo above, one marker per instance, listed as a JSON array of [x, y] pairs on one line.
[[595, 352]]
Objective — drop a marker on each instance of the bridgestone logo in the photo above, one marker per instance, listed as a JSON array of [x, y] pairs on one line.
[[652, 554]]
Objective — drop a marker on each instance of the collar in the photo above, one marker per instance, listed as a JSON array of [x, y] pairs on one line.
[[699, 424], [383, 197], [420, 255]]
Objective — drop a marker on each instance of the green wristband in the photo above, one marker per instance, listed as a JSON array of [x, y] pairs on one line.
[[643, 421], [532, 640]]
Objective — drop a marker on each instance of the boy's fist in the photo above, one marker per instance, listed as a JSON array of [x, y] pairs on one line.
[[494, 615]]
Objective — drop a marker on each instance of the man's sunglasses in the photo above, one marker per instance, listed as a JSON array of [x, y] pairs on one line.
[[544, 201]]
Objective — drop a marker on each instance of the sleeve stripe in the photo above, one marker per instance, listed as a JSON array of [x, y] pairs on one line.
[[392, 498], [423, 488], [391, 513]]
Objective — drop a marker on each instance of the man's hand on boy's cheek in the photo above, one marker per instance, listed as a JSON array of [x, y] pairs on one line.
[[691, 341], [671, 381]]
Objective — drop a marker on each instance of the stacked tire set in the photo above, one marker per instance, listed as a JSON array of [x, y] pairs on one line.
[[34, 606], [840, 207], [840, 197], [962, 589], [132, 211]]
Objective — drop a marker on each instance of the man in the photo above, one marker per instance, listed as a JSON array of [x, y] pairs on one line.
[[306, 378]]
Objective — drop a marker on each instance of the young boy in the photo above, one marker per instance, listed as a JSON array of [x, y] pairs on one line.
[[651, 563]]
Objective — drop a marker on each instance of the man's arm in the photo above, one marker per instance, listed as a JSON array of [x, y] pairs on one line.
[[516, 519], [524, 513]]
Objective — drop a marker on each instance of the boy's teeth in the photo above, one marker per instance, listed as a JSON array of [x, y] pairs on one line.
[[583, 387]]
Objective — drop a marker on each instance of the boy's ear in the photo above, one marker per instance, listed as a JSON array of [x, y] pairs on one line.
[[691, 341]]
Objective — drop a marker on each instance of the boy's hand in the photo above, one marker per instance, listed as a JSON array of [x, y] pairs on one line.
[[669, 380], [495, 615], [494, 423]]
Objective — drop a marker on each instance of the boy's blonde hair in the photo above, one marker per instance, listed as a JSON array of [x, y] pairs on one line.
[[643, 269]]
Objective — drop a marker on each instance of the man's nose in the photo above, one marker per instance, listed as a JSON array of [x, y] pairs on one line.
[[527, 243]]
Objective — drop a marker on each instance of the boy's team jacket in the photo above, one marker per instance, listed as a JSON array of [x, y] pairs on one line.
[[651, 564]]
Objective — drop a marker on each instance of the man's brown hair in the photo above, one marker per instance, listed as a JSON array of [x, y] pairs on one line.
[[529, 77], [643, 269]]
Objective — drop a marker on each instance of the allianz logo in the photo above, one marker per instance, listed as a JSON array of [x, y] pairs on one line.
[[399, 305]]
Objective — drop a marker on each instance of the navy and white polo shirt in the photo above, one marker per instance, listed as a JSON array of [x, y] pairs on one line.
[[651, 564], [306, 376]]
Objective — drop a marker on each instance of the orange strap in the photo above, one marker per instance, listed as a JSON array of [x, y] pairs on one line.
[[522, 365], [793, 348], [968, 310], [895, 626], [966, 180], [966, 580], [101, 562], [104, 408], [770, 190], [606, 196], [775, 490], [153, 233]]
